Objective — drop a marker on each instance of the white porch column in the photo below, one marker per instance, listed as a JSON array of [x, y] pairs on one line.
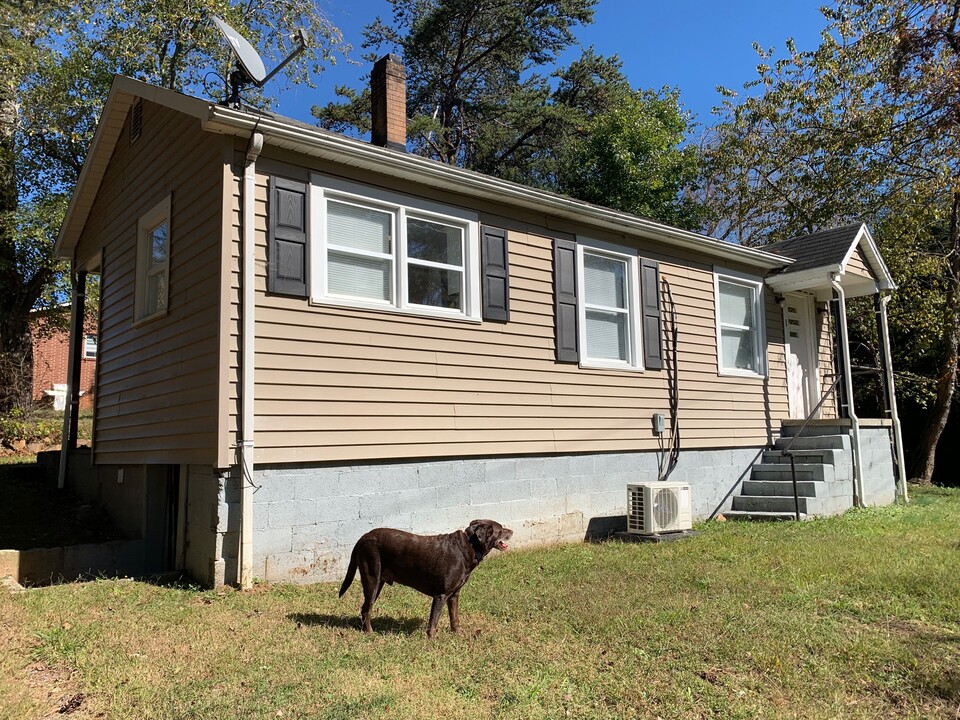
[[892, 397], [848, 386]]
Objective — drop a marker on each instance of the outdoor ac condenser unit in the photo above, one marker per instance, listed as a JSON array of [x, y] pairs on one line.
[[659, 507]]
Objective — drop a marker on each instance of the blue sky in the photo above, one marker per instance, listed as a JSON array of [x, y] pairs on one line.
[[693, 45]]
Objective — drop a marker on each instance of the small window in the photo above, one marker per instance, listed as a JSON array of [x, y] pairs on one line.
[[89, 346], [384, 250], [609, 315], [153, 262], [740, 338]]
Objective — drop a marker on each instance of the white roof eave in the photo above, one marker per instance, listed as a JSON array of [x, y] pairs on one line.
[[812, 279], [321, 144], [123, 92], [870, 249]]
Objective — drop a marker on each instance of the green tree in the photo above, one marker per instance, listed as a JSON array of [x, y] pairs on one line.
[[865, 127], [470, 64], [630, 158], [484, 92], [59, 62]]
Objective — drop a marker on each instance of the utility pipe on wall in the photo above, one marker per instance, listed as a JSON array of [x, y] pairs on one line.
[[247, 307], [848, 385]]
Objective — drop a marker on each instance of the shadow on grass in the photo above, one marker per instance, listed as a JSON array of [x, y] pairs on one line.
[[935, 679], [392, 626]]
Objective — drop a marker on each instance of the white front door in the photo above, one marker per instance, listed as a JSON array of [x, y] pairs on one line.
[[800, 345]]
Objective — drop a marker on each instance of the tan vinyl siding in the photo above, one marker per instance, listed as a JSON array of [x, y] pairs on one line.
[[339, 384], [157, 381], [858, 265], [825, 364]]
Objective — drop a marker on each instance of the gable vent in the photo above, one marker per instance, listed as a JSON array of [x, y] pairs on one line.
[[136, 120]]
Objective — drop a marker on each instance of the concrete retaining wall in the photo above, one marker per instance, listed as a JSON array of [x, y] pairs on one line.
[[47, 566]]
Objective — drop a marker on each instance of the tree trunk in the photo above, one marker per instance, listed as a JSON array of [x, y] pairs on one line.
[[16, 347], [922, 468], [16, 366]]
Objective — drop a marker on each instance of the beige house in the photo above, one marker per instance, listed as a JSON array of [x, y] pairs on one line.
[[304, 336]]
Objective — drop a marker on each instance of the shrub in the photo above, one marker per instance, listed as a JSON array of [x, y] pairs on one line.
[[37, 426]]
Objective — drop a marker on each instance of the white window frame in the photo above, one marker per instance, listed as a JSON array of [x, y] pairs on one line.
[[634, 361], [87, 355], [402, 207], [158, 215], [756, 284]]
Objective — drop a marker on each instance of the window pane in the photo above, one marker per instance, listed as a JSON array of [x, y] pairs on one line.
[[736, 305], [357, 276], [605, 280], [89, 346], [156, 294], [158, 246], [739, 349], [358, 227], [434, 242], [606, 335], [435, 287]]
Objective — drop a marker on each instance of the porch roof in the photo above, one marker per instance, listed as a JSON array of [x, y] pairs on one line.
[[848, 254]]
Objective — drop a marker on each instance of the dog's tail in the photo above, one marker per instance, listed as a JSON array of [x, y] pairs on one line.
[[351, 571]]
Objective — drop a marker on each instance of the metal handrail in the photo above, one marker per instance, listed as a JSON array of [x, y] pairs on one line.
[[786, 451]]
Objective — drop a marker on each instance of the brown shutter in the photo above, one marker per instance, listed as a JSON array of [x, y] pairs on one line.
[[287, 257], [565, 300], [650, 310], [496, 274]]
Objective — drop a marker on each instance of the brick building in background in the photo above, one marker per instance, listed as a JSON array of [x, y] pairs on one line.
[[51, 352]]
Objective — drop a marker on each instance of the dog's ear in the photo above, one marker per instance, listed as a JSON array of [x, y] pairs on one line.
[[480, 529]]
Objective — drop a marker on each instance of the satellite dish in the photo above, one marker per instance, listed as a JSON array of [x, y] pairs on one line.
[[250, 69]]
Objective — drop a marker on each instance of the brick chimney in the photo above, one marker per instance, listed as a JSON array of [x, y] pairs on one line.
[[388, 103]]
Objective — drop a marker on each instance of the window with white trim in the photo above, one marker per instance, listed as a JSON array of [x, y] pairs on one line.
[[609, 315], [385, 250], [741, 344], [89, 346], [153, 262]]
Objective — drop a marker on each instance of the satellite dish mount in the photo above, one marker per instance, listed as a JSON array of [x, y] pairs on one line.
[[249, 69]]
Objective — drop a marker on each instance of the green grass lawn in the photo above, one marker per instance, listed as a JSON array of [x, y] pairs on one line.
[[849, 617]]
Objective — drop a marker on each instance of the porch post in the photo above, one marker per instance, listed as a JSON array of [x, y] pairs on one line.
[[71, 413], [881, 302], [848, 387]]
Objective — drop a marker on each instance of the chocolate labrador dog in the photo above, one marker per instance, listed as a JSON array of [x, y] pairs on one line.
[[436, 565]]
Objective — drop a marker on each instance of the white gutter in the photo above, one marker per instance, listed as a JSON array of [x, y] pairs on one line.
[[248, 334], [892, 392], [319, 143], [848, 385]]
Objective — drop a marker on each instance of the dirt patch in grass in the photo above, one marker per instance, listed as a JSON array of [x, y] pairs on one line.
[[36, 514], [30, 689]]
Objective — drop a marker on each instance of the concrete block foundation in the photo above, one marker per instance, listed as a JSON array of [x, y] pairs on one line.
[[307, 519]]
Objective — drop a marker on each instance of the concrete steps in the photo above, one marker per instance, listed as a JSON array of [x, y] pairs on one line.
[[823, 464], [815, 442]]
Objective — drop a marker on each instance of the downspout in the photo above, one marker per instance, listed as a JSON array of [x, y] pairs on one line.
[[71, 412], [892, 393], [848, 385], [247, 308]]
